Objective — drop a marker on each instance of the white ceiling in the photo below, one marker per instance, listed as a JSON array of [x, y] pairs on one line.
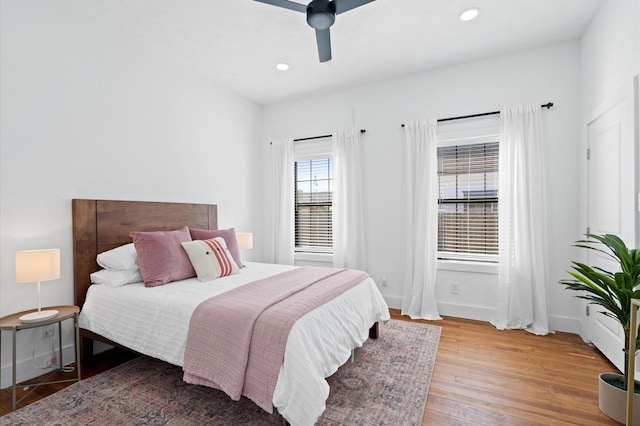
[[237, 43]]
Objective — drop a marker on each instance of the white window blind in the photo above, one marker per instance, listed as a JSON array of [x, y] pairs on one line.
[[468, 201], [313, 201]]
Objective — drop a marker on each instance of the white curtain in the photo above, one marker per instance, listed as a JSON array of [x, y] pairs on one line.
[[522, 271], [348, 219], [282, 161], [421, 221]]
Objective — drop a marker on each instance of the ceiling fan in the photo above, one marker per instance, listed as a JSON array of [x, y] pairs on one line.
[[321, 14]]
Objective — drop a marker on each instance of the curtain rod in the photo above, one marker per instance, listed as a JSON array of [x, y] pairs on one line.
[[319, 137], [548, 105], [316, 137]]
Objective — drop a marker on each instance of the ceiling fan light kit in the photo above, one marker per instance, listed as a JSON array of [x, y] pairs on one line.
[[321, 15]]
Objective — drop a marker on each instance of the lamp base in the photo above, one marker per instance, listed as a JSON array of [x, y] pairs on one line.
[[39, 316]]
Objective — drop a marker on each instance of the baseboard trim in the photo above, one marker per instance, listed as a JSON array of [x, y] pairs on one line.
[[481, 313]]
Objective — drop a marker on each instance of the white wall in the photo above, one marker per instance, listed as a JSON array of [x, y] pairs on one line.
[[86, 113], [609, 51], [540, 75]]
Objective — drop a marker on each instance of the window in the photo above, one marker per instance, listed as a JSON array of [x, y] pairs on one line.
[[468, 201], [313, 199]]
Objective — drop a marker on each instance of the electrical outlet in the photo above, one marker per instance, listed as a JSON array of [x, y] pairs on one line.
[[454, 288], [384, 281], [47, 331]]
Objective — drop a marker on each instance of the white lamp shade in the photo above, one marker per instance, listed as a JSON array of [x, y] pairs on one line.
[[37, 265], [245, 240]]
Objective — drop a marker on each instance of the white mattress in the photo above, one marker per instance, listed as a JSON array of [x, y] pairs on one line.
[[154, 321]]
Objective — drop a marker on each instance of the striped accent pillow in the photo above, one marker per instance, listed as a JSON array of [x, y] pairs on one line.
[[210, 258]]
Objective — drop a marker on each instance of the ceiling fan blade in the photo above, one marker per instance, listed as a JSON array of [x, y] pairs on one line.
[[323, 38], [287, 5], [346, 5]]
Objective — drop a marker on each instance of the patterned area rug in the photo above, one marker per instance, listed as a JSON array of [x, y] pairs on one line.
[[386, 385]]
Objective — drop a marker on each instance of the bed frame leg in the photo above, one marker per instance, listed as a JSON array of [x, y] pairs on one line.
[[86, 349], [283, 422], [374, 331]]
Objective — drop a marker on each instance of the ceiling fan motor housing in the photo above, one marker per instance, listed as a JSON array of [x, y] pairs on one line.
[[321, 14]]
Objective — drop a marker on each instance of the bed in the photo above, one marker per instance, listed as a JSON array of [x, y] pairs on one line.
[[155, 321]]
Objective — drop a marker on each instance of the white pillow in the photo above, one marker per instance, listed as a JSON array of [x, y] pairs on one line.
[[116, 278], [210, 258], [123, 258]]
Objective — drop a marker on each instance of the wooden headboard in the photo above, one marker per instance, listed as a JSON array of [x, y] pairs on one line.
[[100, 225]]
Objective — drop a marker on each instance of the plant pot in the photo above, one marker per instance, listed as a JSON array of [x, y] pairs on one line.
[[613, 400]]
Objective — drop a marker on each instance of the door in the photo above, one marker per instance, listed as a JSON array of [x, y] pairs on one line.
[[611, 202]]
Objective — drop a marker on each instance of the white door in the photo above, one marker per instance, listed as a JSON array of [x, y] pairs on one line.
[[611, 201]]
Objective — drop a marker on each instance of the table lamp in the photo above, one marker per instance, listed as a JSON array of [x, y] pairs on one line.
[[36, 266], [245, 240]]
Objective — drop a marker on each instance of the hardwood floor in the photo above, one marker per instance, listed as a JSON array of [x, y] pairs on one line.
[[482, 376], [485, 376]]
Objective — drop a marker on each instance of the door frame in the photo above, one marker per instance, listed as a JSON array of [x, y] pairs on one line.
[[628, 93]]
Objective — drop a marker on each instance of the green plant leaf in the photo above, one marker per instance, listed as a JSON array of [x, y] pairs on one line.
[[611, 290]]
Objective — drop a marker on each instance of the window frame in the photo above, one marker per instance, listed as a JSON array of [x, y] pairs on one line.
[[325, 204], [305, 151], [467, 137]]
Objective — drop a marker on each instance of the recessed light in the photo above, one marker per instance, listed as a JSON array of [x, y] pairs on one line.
[[469, 14], [282, 66]]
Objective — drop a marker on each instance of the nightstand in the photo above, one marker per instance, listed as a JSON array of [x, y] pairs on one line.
[[12, 322]]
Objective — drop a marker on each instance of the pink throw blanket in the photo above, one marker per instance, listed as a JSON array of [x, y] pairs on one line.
[[237, 340]]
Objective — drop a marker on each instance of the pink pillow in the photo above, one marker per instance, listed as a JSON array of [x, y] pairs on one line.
[[229, 236], [161, 257]]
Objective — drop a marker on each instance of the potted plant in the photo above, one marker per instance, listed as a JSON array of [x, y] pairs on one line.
[[613, 291]]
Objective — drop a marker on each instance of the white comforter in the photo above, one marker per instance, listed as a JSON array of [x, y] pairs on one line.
[[155, 321]]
